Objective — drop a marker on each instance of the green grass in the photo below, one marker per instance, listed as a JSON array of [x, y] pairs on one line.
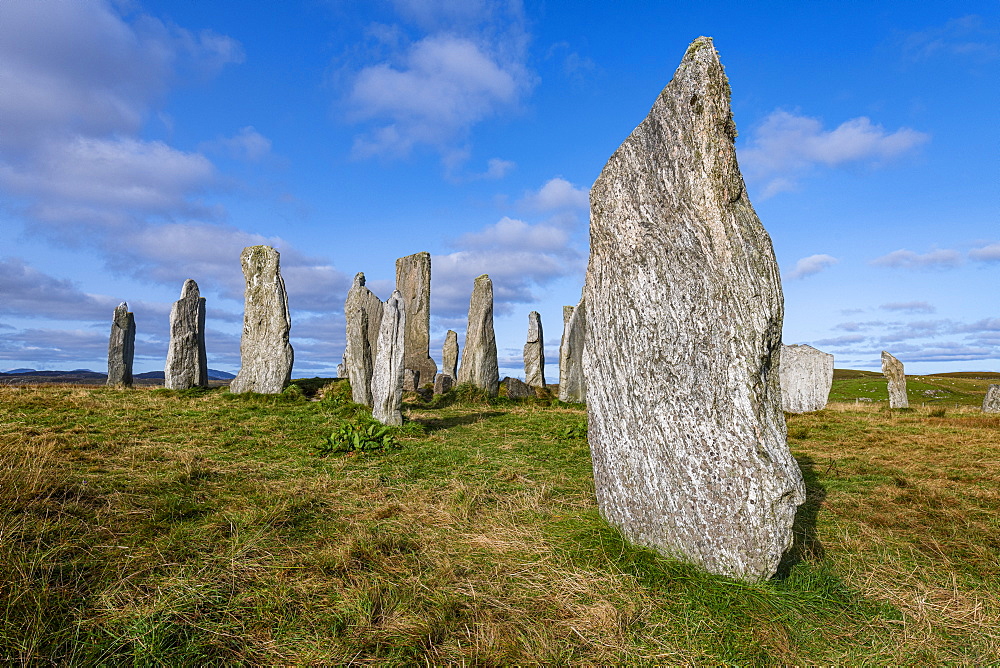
[[154, 527], [960, 389]]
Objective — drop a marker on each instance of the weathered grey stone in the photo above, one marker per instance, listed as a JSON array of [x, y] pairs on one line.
[[363, 312], [572, 383], [479, 360], [683, 329], [266, 356], [411, 380], [534, 352], [187, 365], [387, 376], [892, 369], [413, 280], [121, 347], [991, 402], [806, 377], [342, 367], [449, 355], [515, 388], [443, 383]]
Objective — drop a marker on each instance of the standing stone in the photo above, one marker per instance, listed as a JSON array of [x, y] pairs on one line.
[[413, 280], [121, 347], [266, 356], [572, 384], [991, 403], [342, 367], [806, 376], [187, 365], [515, 388], [443, 383], [449, 355], [363, 312], [387, 376], [534, 352], [892, 369], [411, 379], [683, 331], [479, 360]]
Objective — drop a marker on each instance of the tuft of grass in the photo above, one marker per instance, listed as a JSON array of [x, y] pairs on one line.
[[157, 527]]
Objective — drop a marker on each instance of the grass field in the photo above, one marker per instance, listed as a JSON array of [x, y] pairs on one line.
[[942, 389], [152, 527]]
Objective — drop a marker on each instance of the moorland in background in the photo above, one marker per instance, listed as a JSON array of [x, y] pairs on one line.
[[150, 526]]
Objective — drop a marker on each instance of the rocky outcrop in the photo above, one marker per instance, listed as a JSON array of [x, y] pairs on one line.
[[572, 384], [683, 330], [479, 359], [806, 377], [266, 355], [534, 352], [121, 347], [892, 369], [387, 376], [363, 312], [413, 280], [991, 402], [187, 365], [449, 355]]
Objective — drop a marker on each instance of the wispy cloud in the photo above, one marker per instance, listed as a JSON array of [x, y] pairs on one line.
[[908, 307], [785, 147], [813, 264], [987, 253], [942, 258], [968, 37]]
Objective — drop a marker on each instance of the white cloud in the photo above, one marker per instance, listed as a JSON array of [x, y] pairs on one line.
[[909, 307], [786, 146], [988, 253], [516, 235], [468, 66], [906, 259], [557, 194], [813, 264]]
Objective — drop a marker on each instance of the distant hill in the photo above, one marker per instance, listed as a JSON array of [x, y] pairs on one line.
[[88, 377]]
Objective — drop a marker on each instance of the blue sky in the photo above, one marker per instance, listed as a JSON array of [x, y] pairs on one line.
[[145, 142]]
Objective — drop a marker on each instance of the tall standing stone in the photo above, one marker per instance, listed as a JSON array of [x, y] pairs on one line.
[[449, 355], [363, 312], [806, 377], [266, 356], [387, 376], [683, 336], [479, 359], [187, 364], [572, 384], [991, 402], [413, 280], [121, 347], [534, 352], [892, 369]]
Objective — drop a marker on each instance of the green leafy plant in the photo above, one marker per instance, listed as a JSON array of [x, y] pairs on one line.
[[359, 436], [573, 432]]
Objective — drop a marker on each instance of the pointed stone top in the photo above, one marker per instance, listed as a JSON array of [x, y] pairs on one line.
[[887, 355], [482, 277], [359, 279], [123, 307], [190, 289]]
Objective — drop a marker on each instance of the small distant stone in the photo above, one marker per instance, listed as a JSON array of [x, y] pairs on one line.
[[121, 347], [516, 388], [991, 403], [534, 352], [892, 369], [443, 383], [411, 380]]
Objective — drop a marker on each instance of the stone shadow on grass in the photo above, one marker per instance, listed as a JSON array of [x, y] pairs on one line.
[[806, 546], [436, 424]]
